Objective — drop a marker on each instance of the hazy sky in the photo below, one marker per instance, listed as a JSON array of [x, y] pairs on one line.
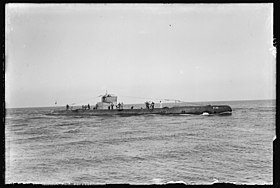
[[72, 53]]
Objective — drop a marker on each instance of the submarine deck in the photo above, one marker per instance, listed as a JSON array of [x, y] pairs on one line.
[[213, 110]]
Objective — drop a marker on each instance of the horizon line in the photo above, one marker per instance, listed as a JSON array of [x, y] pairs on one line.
[[143, 103]]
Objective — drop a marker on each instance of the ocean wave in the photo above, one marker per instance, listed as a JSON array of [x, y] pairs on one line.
[[61, 124], [72, 131], [142, 149]]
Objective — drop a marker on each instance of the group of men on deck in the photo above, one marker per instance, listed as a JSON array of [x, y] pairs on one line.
[[118, 106], [84, 107], [149, 105]]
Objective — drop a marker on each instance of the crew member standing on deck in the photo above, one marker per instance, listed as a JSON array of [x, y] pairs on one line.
[[147, 105], [160, 104], [152, 105]]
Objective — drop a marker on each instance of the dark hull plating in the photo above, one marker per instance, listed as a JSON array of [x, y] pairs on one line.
[[209, 109]]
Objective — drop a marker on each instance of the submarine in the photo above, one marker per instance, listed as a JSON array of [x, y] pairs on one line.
[[109, 107]]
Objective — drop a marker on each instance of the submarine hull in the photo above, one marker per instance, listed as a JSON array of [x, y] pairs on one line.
[[209, 109]]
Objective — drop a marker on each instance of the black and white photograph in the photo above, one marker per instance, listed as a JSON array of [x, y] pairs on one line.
[[139, 94]]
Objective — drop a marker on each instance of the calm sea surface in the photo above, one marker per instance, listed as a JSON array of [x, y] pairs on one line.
[[147, 149]]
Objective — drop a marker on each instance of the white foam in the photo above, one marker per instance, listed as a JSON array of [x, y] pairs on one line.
[[157, 181], [215, 181], [177, 182]]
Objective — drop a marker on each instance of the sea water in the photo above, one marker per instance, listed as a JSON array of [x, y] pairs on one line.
[[148, 149]]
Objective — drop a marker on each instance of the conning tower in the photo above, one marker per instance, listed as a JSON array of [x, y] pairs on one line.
[[107, 101]]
